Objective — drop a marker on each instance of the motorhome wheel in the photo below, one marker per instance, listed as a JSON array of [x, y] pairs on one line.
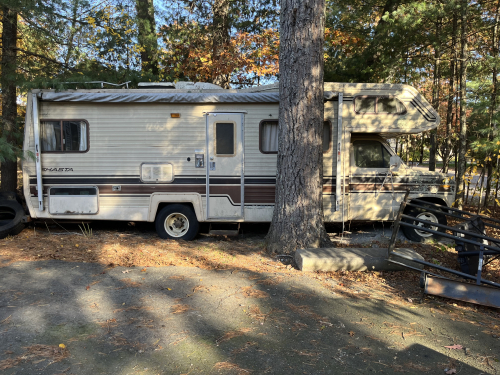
[[177, 221], [421, 213], [11, 215]]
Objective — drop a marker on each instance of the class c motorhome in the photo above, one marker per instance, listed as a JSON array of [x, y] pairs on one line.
[[178, 155]]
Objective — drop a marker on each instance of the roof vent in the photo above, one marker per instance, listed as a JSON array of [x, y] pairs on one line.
[[197, 86]]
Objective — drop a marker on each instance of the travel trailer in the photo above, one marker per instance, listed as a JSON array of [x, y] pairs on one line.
[[179, 155]]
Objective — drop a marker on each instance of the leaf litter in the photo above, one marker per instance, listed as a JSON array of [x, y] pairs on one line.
[[110, 249]]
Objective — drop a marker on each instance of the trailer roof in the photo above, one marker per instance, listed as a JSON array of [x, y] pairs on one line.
[[119, 96]]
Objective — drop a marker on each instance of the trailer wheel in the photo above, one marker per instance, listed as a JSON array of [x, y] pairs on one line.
[[416, 235], [178, 222], [11, 215]]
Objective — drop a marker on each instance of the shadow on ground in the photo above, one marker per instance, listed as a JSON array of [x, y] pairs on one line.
[[181, 320]]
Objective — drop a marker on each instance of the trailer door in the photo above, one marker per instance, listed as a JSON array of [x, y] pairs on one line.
[[225, 167]]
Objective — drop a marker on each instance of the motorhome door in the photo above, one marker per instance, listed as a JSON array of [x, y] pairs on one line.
[[225, 173]]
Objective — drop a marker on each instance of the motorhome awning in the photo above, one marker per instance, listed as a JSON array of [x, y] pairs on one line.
[[259, 97]]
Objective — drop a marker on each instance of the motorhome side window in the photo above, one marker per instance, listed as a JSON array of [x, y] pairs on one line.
[[379, 105], [64, 136], [268, 136], [370, 154]]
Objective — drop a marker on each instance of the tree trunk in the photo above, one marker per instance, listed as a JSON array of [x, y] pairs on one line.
[[147, 38], [432, 151], [220, 35], [298, 212], [462, 145], [435, 95], [451, 99], [9, 104], [493, 104], [421, 157]]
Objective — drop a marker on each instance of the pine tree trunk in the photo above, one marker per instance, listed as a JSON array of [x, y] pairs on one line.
[[451, 99], [220, 35], [462, 145], [298, 213], [493, 104], [9, 105], [435, 96], [432, 151], [147, 36]]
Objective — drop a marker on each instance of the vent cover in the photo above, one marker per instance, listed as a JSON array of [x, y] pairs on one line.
[[157, 173]]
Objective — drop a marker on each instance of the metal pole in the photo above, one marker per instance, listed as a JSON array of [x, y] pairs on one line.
[[38, 151]]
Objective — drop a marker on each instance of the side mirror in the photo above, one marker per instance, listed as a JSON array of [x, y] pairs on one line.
[[395, 163]]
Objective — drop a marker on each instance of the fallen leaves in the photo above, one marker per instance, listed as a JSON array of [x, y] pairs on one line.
[[180, 308], [53, 352], [249, 291], [456, 347], [232, 334], [230, 366], [132, 308], [244, 348]]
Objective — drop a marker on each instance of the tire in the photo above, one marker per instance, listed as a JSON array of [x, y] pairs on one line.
[[420, 236], [177, 222], [11, 215]]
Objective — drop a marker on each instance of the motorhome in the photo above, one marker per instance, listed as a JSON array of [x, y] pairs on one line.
[[179, 155]]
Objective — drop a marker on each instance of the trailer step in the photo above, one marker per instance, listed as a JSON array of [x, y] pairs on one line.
[[224, 229]]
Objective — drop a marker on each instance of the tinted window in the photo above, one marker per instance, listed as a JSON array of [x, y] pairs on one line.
[[370, 154], [74, 191], [72, 135], [365, 104], [378, 104], [389, 105], [62, 136], [224, 138]]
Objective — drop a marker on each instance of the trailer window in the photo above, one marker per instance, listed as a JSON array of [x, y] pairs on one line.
[[64, 136], [224, 138], [371, 154], [268, 136], [379, 105]]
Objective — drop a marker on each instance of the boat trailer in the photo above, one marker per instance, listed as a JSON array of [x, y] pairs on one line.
[[474, 250]]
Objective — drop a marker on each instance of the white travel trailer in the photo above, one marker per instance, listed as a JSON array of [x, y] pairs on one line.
[[180, 155]]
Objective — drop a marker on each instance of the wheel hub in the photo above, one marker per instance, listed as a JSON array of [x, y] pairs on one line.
[[176, 224], [427, 216]]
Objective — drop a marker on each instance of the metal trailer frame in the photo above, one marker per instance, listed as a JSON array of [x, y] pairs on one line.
[[484, 292]]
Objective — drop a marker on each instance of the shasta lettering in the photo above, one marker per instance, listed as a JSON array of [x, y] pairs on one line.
[[57, 169]]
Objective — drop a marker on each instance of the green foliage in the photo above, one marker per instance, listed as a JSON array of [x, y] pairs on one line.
[[11, 149]]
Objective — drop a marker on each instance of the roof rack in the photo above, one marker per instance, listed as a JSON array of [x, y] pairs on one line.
[[102, 83]]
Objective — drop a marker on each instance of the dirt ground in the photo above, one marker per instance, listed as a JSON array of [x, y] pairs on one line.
[[115, 298]]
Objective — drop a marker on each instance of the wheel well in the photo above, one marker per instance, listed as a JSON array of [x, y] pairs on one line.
[[430, 200], [164, 204]]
